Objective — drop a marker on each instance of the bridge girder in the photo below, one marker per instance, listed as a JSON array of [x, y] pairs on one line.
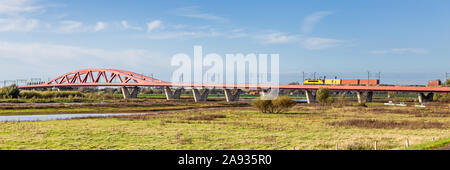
[[120, 78]]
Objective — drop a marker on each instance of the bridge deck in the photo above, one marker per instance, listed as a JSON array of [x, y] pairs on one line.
[[95, 77], [248, 86]]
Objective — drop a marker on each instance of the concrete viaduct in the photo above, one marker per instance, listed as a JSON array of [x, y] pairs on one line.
[[130, 83]]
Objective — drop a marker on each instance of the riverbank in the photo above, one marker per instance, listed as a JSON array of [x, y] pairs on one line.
[[120, 107]]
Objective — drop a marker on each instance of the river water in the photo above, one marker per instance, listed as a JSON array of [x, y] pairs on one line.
[[21, 118], [297, 100]]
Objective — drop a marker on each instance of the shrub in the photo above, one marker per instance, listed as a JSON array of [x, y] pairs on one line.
[[49, 94], [282, 104], [88, 89], [341, 99], [323, 96], [279, 105], [10, 91], [264, 106], [330, 100], [445, 97], [27, 94], [147, 91], [99, 95], [393, 96]]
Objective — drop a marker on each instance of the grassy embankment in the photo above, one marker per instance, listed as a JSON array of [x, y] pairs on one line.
[[304, 127], [430, 145]]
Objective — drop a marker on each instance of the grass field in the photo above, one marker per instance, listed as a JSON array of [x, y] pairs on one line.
[[304, 127], [430, 145]]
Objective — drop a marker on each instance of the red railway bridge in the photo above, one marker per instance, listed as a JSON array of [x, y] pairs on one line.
[[130, 83]]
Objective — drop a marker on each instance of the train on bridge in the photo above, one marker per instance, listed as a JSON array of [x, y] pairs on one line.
[[348, 82]]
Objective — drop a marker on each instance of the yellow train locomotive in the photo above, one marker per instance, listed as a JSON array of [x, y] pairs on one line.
[[322, 82], [313, 82]]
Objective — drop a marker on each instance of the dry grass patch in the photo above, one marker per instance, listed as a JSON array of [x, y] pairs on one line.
[[359, 146], [182, 140], [206, 117], [382, 124], [417, 112]]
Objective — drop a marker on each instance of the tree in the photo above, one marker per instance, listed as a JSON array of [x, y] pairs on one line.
[[323, 96], [147, 91]]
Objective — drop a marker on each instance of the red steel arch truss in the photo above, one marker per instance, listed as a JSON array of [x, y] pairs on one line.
[[100, 77]]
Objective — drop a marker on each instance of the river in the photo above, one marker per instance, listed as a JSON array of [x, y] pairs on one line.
[[21, 118]]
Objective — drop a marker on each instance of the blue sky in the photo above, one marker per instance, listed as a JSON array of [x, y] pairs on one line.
[[408, 41]]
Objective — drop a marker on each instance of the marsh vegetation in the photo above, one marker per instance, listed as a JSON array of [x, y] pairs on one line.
[[237, 126]]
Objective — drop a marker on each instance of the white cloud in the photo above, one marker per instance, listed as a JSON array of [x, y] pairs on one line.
[[311, 20], [205, 16], [310, 43], [401, 51], [192, 32], [183, 34], [52, 55], [18, 24], [70, 27], [237, 33], [194, 12], [128, 26], [277, 38], [317, 43], [13, 15], [178, 26], [153, 25], [99, 26], [17, 7]]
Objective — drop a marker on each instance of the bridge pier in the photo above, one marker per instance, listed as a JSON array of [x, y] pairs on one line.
[[360, 96], [425, 98], [310, 98], [130, 92], [232, 96], [171, 95], [368, 97], [200, 97]]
